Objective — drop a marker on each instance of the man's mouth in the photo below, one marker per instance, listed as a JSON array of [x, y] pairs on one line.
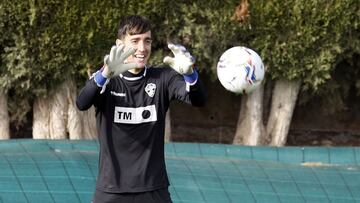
[[141, 57]]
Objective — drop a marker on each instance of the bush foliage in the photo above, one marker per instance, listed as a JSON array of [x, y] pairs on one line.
[[44, 42]]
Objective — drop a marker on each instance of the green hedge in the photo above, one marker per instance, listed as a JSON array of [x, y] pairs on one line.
[[44, 42]]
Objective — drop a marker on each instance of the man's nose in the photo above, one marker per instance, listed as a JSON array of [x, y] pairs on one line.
[[141, 46]]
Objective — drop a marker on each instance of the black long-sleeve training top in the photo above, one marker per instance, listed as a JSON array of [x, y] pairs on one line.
[[130, 116]]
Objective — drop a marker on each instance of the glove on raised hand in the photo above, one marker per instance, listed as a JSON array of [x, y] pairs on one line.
[[182, 62], [114, 62]]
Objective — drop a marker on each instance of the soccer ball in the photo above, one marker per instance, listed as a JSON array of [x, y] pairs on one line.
[[240, 70]]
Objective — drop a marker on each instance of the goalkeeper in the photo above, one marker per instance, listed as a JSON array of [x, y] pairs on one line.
[[131, 99]]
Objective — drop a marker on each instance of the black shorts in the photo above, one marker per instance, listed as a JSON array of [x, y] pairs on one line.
[[156, 196]]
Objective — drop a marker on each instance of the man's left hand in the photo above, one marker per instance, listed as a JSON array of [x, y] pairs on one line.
[[182, 62]]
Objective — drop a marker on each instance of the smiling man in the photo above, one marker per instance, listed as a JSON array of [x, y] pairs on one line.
[[131, 99]]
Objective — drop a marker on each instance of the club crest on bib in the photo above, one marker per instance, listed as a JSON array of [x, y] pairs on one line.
[[150, 89]]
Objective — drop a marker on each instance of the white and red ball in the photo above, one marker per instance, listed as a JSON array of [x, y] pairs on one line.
[[240, 70]]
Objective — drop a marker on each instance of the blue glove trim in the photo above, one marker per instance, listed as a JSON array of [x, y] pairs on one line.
[[191, 78], [100, 79]]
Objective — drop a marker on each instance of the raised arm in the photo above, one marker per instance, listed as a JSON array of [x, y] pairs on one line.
[[113, 66], [193, 91]]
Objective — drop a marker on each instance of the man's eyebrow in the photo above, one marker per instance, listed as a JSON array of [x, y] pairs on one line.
[[137, 38]]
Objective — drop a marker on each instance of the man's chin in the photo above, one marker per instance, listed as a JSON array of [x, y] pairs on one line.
[[140, 65]]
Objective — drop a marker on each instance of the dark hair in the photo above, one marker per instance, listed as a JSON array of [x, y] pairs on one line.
[[133, 25]]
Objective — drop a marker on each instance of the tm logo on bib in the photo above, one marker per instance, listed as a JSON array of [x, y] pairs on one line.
[[137, 115]]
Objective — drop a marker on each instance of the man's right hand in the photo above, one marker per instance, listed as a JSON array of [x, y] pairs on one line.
[[114, 62]]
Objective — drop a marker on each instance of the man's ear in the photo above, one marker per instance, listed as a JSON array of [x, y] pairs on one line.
[[118, 42]]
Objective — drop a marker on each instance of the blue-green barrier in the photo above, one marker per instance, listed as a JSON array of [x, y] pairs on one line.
[[65, 171]]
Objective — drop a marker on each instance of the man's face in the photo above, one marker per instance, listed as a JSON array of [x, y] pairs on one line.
[[142, 44]]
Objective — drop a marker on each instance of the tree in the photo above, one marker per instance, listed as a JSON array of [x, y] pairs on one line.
[[300, 47], [39, 53], [4, 116], [52, 44], [49, 47], [6, 24]]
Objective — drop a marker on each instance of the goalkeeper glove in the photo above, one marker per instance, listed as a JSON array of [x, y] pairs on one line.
[[114, 62], [182, 62]]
